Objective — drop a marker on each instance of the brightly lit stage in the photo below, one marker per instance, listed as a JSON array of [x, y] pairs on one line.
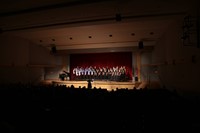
[[109, 85]]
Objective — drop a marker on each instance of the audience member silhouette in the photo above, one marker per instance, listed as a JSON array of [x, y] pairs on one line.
[[28, 109]]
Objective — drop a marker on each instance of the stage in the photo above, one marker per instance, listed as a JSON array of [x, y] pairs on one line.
[[109, 85]]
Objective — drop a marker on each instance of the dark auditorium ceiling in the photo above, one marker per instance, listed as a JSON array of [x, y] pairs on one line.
[[90, 24]]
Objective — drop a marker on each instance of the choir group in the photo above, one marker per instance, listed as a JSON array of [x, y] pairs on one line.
[[101, 73]]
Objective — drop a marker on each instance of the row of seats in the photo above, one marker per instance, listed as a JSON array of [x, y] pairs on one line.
[[33, 108]]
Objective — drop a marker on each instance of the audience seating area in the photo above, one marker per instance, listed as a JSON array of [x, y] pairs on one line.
[[47, 108]]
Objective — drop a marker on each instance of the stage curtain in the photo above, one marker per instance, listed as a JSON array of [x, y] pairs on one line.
[[102, 60]]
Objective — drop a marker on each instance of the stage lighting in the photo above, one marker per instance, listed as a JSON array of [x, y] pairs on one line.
[[118, 17], [140, 45], [53, 49]]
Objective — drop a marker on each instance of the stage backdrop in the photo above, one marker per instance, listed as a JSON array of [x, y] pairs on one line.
[[102, 60]]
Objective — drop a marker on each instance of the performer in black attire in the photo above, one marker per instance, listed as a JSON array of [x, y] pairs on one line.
[[89, 84]]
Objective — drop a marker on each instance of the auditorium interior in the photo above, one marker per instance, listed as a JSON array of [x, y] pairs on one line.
[[99, 66]]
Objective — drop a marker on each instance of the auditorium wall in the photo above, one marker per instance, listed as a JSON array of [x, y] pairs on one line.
[[22, 61], [148, 71], [178, 65], [62, 63]]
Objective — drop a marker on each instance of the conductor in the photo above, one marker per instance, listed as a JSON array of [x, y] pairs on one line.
[[89, 84]]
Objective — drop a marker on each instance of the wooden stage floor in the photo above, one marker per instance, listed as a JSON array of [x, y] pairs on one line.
[[109, 85]]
